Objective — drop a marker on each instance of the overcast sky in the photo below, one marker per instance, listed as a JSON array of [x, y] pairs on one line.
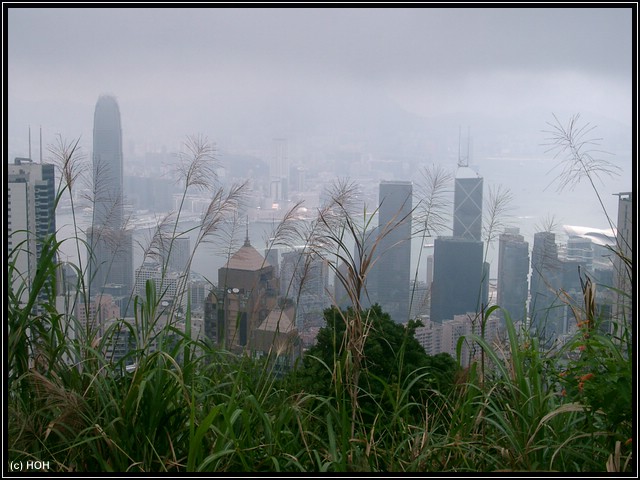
[[379, 80], [177, 71]]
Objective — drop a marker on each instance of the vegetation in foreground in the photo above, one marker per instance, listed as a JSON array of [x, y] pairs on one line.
[[365, 399]]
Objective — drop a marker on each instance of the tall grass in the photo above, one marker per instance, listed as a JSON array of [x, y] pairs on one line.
[[175, 403]]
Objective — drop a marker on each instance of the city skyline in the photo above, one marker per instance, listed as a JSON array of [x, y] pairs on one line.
[[460, 272], [341, 85], [273, 249], [359, 119]]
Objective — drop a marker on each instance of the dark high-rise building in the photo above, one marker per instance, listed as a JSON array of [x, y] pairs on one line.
[[391, 274], [110, 243], [545, 307], [513, 274], [460, 275], [459, 283]]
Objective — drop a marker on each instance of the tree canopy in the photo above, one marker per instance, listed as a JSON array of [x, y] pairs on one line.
[[393, 358]]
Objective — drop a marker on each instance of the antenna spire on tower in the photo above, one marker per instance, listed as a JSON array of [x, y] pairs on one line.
[[247, 243], [462, 161], [459, 139]]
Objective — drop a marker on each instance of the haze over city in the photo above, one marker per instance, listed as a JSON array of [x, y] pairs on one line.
[[340, 85], [320, 239]]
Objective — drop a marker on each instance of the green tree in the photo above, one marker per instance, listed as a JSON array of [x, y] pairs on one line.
[[393, 359]]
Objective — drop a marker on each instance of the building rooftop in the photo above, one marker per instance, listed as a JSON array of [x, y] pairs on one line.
[[279, 321], [247, 258], [598, 236], [466, 172]]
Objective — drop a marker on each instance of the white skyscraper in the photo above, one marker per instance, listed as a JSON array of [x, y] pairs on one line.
[[30, 214]]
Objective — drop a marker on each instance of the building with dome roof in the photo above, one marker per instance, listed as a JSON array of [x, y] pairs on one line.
[[247, 292]]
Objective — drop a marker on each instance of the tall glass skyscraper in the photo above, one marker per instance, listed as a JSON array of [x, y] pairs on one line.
[[391, 275], [460, 276], [467, 210], [513, 274], [546, 309], [107, 164], [110, 243]]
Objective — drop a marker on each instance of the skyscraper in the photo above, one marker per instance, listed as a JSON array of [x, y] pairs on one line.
[[110, 243], [546, 309], [467, 210], [623, 273], [304, 278], [459, 283], [513, 274], [172, 286], [279, 171], [175, 253], [30, 214], [107, 164], [391, 274], [460, 276]]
